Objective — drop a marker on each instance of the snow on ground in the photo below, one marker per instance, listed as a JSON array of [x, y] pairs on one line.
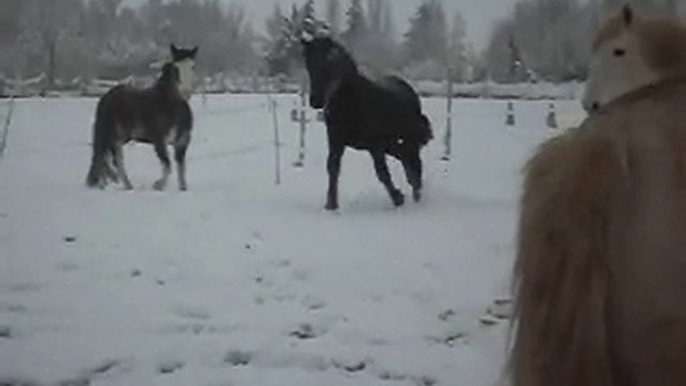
[[242, 282]]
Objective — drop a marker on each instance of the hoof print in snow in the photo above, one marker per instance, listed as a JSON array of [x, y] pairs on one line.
[[426, 381], [304, 331], [16, 382], [169, 367], [449, 340], [69, 239], [395, 377], [351, 367], [136, 273], [489, 320], [452, 339], [446, 315], [501, 309], [105, 367], [83, 381], [247, 247], [5, 333], [161, 282], [238, 358]]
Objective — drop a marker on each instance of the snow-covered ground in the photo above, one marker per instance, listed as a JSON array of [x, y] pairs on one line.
[[239, 282]]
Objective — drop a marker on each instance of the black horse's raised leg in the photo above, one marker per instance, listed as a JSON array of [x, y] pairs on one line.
[[163, 155], [381, 167], [408, 155], [412, 163], [333, 166]]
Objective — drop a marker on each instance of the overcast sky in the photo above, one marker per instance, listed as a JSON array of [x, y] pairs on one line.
[[479, 14]]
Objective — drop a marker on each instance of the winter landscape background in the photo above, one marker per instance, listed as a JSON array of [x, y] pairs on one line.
[[71, 44]]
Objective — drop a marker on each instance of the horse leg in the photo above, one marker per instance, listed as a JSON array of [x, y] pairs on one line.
[[412, 163], [109, 169], [381, 167], [118, 159], [333, 166], [180, 157], [163, 155]]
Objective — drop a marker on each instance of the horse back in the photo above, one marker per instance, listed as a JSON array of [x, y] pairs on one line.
[[144, 115]]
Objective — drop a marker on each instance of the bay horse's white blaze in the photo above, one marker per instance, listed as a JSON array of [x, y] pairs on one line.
[[630, 53], [187, 77]]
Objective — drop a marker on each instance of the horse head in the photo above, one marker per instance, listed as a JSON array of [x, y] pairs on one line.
[[184, 60], [630, 53], [327, 64]]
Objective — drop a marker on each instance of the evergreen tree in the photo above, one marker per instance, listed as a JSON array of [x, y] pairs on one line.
[[356, 27], [333, 16], [427, 36]]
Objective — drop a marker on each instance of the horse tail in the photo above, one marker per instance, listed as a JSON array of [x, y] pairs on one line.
[[425, 131], [99, 164], [560, 285]]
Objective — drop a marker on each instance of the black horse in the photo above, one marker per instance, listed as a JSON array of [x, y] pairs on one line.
[[159, 115], [382, 117]]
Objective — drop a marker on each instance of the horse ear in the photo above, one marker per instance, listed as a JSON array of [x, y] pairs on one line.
[[173, 50], [627, 15], [194, 52]]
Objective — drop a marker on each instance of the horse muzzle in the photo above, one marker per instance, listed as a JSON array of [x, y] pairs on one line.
[[317, 103]]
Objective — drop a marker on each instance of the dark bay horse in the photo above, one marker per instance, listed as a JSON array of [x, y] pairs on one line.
[[382, 117], [159, 115]]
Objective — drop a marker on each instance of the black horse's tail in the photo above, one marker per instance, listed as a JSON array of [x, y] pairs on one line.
[[99, 165], [425, 132]]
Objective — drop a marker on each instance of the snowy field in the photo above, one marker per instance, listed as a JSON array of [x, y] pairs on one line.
[[239, 282]]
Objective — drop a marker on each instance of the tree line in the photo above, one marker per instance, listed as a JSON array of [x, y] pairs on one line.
[[551, 39], [68, 39]]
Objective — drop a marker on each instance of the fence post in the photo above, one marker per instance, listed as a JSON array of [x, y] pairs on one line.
[[6, 127], [277, 140], [447, 140], [302, 118], [510, 119]]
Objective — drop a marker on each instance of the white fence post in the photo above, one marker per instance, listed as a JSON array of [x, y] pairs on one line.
[[6, 127], [447, 140], [277, 141]]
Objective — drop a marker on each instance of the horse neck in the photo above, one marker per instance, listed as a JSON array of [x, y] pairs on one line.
[[166, 88]]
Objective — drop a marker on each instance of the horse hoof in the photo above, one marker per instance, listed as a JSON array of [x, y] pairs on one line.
[[398, 198], [158, 185], [331, 206], [417, 196]]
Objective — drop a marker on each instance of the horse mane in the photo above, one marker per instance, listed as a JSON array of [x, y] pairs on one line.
[[560, 283], [663, 45], [345, 57], [168, 81]]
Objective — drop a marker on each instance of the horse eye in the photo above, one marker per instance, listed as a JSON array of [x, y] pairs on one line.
[[619, 52]]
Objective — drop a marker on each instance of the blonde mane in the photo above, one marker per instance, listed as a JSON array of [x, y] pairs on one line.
[[663, 45]]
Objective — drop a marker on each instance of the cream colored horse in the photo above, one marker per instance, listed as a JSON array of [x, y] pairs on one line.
[[630, 53], [601, 255]]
